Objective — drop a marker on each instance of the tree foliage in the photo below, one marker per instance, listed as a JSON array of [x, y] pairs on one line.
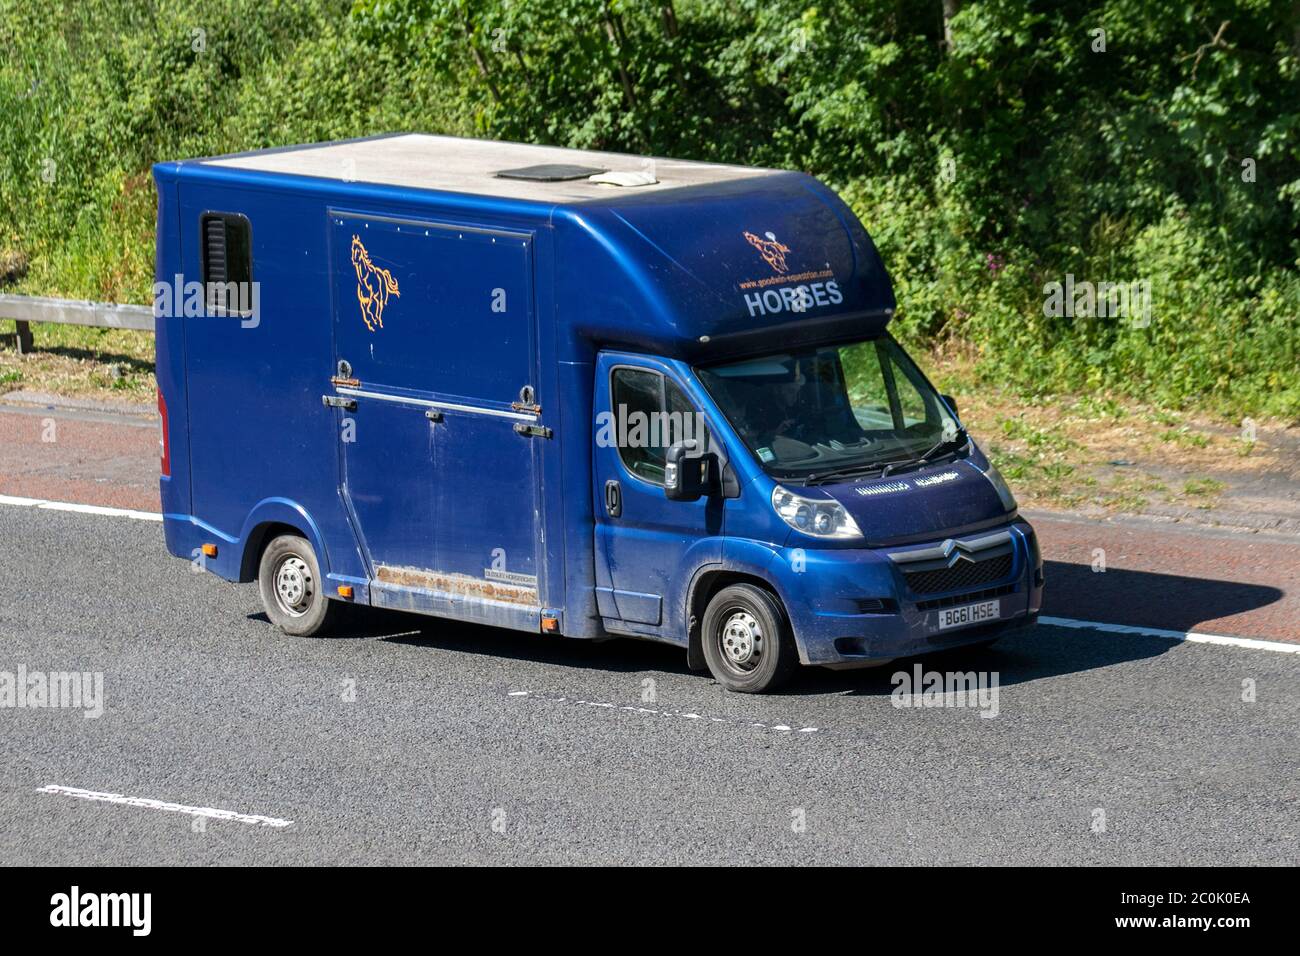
[[1116, 140]]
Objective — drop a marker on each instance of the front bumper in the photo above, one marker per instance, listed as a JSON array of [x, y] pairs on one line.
[[856, 607]]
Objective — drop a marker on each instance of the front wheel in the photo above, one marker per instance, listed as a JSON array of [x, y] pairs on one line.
[[292, 587], [747, 642]]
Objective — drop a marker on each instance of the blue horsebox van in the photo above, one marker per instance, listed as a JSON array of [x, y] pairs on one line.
[[566, 392]]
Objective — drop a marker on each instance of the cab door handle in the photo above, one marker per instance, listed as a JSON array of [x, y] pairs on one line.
[[613, 498], [339, 401]]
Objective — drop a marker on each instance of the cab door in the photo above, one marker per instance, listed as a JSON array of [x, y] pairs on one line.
[[438, 421], [647, 547]]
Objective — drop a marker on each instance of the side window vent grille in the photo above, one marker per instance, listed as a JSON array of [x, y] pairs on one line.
[[214, 250], [227, 263]]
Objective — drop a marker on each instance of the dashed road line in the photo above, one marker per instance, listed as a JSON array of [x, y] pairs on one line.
[[653, 712], [1192, 637], [150, 804], [79, 508]]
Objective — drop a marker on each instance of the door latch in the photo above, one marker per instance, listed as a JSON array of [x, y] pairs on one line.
[[339, 401], [343, 374], [533, 431], [527, 401]]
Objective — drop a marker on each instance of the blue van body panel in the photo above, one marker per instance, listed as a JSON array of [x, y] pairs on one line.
[[455, 472], [568, 481], [257, 426], [679, 279], [170, 353], [939, 500]]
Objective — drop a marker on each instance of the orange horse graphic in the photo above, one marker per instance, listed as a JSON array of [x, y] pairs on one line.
[[374, 286], [773, 252]]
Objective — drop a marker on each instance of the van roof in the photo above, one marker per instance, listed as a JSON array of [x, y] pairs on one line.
[[455, 164]]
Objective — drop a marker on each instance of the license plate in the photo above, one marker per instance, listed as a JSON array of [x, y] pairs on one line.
[[969, 614]]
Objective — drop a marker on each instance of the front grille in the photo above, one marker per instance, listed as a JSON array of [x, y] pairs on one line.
[[963, 574], [935, 603]]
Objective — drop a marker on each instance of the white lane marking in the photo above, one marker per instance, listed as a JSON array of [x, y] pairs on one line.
[[81, 509], [1194, 637], [148, 804], [685, 715]]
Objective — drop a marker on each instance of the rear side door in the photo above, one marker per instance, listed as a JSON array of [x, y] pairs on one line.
[[438, 428]]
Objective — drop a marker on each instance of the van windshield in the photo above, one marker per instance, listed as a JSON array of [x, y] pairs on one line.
[[813, 412]]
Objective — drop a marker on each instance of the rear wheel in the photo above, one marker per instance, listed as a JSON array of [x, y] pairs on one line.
[[292, 587], [747, 642]]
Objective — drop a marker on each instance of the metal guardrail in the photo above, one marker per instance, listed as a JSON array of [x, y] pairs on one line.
[[24, 309]]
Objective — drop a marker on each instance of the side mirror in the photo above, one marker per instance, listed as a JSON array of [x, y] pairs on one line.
[[952, 405], [688, 478]]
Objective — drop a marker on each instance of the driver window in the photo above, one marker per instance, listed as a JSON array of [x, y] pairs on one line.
[[651, 413], [684, 422]]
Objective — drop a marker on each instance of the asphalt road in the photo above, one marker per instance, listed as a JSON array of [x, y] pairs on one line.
[[468, 745]]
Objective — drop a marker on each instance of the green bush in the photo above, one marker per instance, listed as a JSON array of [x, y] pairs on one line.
[[985, 168]]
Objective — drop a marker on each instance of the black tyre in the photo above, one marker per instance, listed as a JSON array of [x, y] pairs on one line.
[[293, 588], [747, 641]]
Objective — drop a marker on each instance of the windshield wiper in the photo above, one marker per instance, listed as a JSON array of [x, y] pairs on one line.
[[961, 438], [853, 471], [883, 469], [856, 471]]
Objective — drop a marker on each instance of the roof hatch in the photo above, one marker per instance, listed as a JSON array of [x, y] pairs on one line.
[[550, 172]]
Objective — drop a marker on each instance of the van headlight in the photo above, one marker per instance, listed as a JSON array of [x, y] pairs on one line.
[[1000, 486], [819, 517]]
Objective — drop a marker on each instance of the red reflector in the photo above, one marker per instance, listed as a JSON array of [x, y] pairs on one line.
[[166, 448]]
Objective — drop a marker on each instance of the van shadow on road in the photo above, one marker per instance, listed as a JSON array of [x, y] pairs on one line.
[[1023, 656], [1146, 599]]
